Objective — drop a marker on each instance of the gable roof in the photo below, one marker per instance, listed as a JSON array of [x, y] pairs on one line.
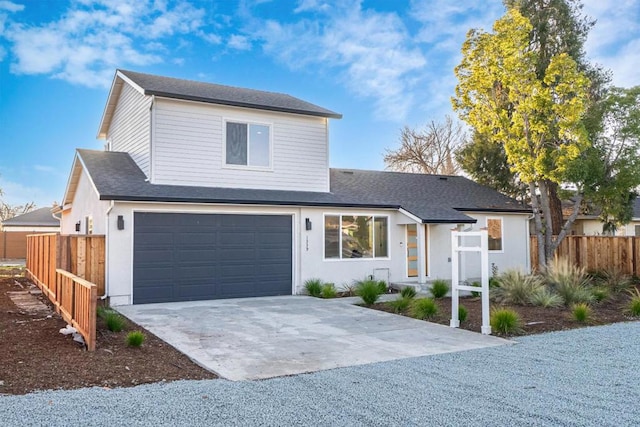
[[432, 198], [169, 87], [39, 217]]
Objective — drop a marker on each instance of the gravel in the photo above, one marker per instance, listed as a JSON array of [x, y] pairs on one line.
[[583, 377]]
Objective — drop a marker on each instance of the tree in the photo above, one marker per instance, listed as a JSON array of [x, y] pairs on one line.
[[8, 211], [428, 151], [543, 123], [537, 121]]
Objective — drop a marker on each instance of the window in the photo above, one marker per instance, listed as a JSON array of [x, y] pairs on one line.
[[637, 230], [495, 233], [356, 236], [248, 144]]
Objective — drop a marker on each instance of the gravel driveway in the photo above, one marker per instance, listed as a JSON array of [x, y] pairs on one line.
[[585, 377]]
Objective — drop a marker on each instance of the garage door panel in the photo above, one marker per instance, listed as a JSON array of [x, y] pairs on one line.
[[184, 257]]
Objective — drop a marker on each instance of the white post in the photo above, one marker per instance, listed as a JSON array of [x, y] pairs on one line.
[[484, 261], [455, 293], [422, 262]]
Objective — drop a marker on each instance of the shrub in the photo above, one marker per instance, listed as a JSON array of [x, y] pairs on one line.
[[543, 297], [369, 290], [408, 292], [328, 291], [313, 287], [505, 321], [581, 312], [439, 288], [634, 304], [600, 293], [569, 281], [401, 304], [615, 280], [424, 308], [102, 311], [516, 287], [462, 313], [135, 338], [493, 282], [114, 321], [383, 286]]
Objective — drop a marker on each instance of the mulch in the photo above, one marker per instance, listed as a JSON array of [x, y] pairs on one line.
[[34, 355], [534, 320]]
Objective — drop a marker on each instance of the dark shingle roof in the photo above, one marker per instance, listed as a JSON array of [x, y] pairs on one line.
[[429, 197], [40, 217], [226, 95], [636, 208]]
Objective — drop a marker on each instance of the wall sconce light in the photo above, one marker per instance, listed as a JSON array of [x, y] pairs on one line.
[[120, 222], [307, 224], [78, 227]]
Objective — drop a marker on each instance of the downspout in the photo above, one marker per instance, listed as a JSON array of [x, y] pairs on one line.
[[106, 252]]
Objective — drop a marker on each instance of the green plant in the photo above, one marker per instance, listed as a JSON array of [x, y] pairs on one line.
[[383, 286], [424, 308], [350, 290], [476, 285], [493, 282], [516, 287], [615, 280], [581, 312], [408, 292], [439, 288], [135, 338], [313, 287], [543, 297], [462, 313], [505, 321], [600, 293], [634, 304], [401, 304], [569, 281], [102, 311], [114, 321], [328, 291], [369, 290]]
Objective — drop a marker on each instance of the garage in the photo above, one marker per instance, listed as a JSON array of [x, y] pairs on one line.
[[187, 257]]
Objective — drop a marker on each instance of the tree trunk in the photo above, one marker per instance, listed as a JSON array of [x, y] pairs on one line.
[[555, 204]]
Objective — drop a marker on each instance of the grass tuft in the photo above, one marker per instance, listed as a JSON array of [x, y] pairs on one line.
[[462, 313], [383, 287], [369, 290], [313, 287], [439, 288], [543, 297], [634, 304], [516, 287], [115, 322], [401, 304], [424, 308], [135, 338], [581, 312], [408, 292], [328, 291], [505, 321]]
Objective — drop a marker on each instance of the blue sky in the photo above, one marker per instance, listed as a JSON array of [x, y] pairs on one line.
[[382, 64]]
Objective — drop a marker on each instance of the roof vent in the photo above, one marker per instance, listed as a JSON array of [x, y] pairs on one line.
[[443, 178], [347, 172]]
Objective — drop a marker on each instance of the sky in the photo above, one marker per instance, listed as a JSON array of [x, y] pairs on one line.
[[382, 64]]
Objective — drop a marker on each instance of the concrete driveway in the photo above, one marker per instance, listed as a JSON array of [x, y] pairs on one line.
[[257, 338]]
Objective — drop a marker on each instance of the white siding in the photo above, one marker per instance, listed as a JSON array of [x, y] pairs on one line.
[[131, 126], [188, 148], [85, 203]]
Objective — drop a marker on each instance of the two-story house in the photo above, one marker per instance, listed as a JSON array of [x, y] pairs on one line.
[[206, 191]]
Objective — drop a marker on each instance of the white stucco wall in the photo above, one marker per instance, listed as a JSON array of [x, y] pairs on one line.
[[85, 203]]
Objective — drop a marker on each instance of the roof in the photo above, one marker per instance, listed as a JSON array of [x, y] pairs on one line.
[[432, 198], [169, 87], [636, 208], [39, 217]]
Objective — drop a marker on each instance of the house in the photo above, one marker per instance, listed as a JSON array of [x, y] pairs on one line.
[[589, 224], [13, 238], [206, 191]]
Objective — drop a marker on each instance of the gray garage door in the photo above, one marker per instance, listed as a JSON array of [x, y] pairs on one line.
[[186, 257]]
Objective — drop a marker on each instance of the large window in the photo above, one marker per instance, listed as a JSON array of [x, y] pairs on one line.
[[494, 225], [356, 236], [248, 144]]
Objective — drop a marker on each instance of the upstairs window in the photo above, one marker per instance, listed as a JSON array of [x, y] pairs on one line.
[[494, 226], [248, 144], [348, 236]]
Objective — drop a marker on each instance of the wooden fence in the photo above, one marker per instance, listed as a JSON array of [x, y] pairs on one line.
[[596, 253], [13, 244], [49, 257]]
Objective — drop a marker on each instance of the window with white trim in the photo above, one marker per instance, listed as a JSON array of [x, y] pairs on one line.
[[248, 144], [494, 226], [356, 236]]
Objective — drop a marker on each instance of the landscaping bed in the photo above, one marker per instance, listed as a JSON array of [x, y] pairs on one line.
[[35, 356]]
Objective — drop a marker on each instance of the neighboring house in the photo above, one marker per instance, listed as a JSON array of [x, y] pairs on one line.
[[590, 225], [207, 191], [13, 239]]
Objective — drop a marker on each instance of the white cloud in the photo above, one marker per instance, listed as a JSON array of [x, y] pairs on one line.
[[10, 6], [372, 52], [93, 37], [239, 42]]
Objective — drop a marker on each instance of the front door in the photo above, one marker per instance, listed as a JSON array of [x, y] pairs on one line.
[[412, 249]]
